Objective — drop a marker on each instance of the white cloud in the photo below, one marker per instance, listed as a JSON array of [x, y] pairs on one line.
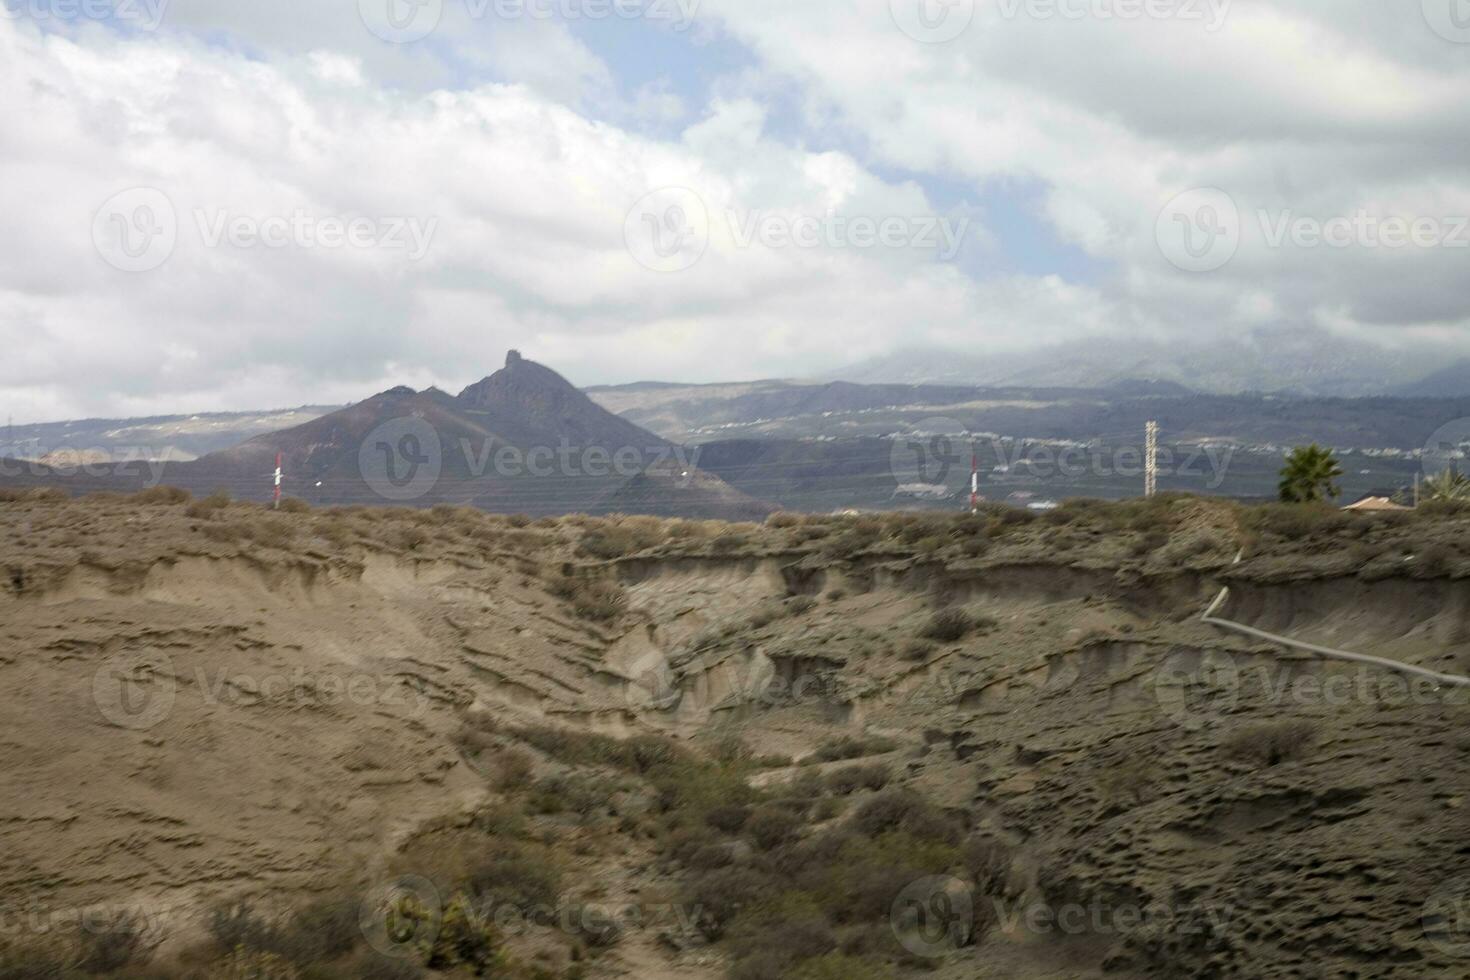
[[290, 109]]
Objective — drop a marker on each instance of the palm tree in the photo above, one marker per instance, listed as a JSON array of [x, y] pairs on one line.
[[1450, 485], [1309, 476]]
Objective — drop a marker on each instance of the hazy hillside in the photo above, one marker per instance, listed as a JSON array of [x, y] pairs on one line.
[[1300, 361]]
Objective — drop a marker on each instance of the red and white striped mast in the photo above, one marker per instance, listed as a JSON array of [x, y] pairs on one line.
[[974, 480], [276, 503]]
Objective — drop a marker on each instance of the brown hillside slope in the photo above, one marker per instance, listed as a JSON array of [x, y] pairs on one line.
[[1012, 728]]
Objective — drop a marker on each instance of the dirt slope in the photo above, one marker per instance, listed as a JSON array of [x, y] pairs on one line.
[[205, 704]]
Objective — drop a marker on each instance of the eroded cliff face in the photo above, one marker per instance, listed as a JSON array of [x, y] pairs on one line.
[[205, 704]]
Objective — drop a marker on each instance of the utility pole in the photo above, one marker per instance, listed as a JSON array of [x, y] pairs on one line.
[[1151, 460], [276, 503], [974, 480]]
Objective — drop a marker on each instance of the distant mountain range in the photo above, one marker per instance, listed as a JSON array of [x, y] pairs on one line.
[[526, 440], [523, 440], [1304, 362]]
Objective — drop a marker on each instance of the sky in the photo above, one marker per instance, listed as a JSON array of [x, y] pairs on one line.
[[219, 205]]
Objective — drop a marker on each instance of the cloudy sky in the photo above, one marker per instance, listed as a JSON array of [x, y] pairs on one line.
[[217, 204]]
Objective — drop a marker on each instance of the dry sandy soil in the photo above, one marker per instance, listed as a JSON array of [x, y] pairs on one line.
[[208, 704]]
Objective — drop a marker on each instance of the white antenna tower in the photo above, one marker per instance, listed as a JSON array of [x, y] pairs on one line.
[[1151, 460]]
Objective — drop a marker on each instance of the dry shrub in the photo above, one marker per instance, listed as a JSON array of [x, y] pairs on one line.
[[771, 826], [599, 600], [159, 496], [210, 505], [853, 747], [850, 779], [294, 505], [608, 543], [35, 495], [948, 626]]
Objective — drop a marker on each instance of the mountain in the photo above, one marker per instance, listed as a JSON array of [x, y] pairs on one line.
[[523, 440], [1450, 382], [1302, 361], [177, 437]]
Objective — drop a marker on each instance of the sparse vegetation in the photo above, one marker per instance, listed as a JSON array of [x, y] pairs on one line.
[[948, 626]]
